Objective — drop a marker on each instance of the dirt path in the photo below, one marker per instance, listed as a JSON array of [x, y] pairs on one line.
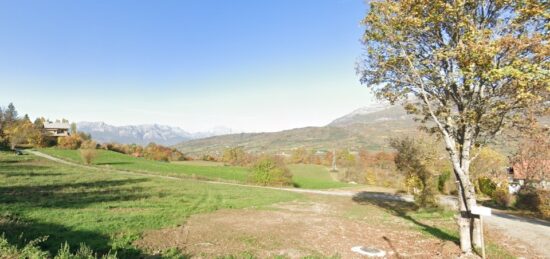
[[321, 192], [530, 231]]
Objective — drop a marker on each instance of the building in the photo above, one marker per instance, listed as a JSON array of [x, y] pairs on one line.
[[518, 172], [57, 129]]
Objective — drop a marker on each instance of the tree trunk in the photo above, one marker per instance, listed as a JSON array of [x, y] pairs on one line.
[[474, 221], [466, 197], [463, 221]]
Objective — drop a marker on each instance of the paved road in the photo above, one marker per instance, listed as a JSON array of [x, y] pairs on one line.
[[535, 232], [531, 231]]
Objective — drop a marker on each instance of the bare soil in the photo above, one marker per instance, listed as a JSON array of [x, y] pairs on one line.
[[294, 230]]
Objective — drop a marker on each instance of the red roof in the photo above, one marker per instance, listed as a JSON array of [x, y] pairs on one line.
[[521, 169]]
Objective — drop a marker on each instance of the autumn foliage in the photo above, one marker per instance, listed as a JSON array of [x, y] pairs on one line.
[[151, 151]]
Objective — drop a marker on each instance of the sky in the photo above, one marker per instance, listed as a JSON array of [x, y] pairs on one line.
[[244, 64]]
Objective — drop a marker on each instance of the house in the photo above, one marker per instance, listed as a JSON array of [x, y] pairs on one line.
[[57, 129], [517, 175]]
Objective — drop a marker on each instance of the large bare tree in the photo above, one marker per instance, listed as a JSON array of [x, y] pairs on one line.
[[469, 68]]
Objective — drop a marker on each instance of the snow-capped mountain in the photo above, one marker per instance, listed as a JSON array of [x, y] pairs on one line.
[[143, 134]]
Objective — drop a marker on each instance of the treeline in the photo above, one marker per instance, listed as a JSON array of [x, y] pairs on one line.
[[419, 166], [265, 169], [151, 151], [364, 167], [21, 131], [87, 146], [16, 131]]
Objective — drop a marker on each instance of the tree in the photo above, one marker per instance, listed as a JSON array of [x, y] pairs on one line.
[[532, 159], [2, 125], [470, 68], [269, 170], [417, 159], [234, 156], [73, 128], [299, 155], [39, 123], [22, 132], [10, 114]]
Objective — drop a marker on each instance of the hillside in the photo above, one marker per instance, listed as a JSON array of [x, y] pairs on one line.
[[378, 114], [368, 127]]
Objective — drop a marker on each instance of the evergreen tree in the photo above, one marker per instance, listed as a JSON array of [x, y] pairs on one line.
[[10, 115]]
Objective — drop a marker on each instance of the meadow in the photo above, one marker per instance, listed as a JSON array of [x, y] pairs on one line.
[[106, 211], [304, 176], [55, 204], [314, 177]]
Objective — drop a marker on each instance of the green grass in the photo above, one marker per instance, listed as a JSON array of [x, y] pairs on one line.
[[198, 163], [105, 210], [125, 162], [108, 211], [314, 177], [304, 176]]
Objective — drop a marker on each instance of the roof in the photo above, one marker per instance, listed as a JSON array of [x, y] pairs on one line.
[[521, 169], [56, 125]]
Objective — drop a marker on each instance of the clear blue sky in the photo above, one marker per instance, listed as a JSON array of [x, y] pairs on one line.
[[249, 65]]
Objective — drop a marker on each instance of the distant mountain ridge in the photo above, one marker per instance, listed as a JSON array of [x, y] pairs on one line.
[[144, 134], [368, 127], [372, 114]]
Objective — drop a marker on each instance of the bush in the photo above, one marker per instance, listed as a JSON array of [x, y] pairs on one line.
[[237, 156], [416, 158], [534, 200], [544, 205], [442, 181], [501, 196], [70, 142], [88, 155], [208, 158], [271, 171], [88, 144], [486, 186]]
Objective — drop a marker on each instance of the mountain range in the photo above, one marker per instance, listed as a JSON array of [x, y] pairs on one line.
[[368, 127], [144, 134]]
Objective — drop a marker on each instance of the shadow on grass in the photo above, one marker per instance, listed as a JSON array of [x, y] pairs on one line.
[[19, 231], [20, 167], [28, 174], [401, 209], [9, 161], [72, 195], [114, 163]]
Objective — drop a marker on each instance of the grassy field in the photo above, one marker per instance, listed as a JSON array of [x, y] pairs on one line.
[[106, 211], [198, 163], [314, 177], [125, 162], [109, 211], [304, 176]]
